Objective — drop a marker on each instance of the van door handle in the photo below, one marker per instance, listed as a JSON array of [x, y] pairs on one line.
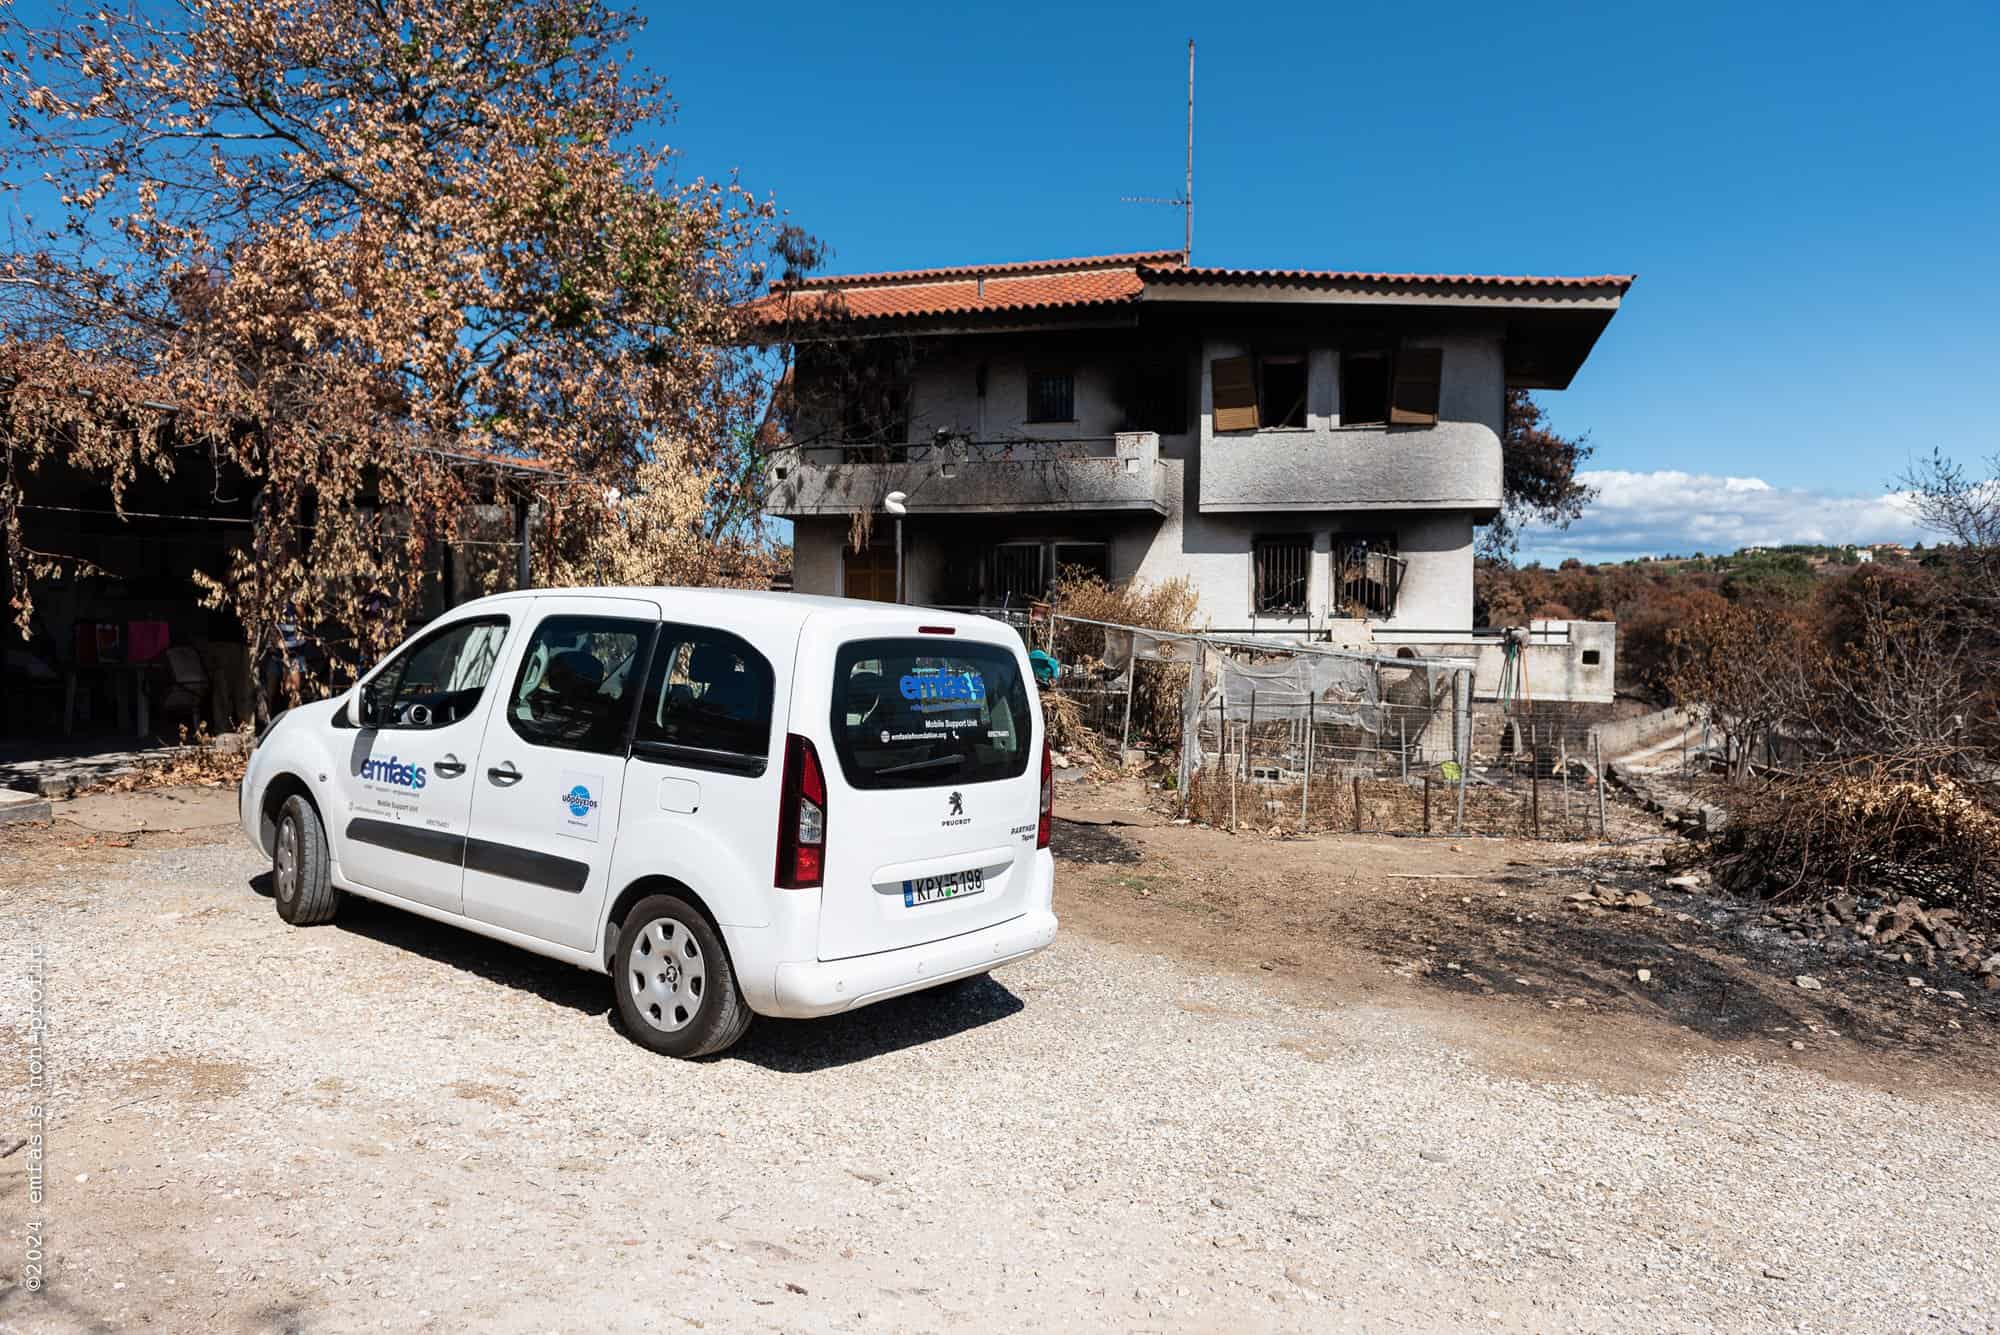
[[449, 767], [504, 774]]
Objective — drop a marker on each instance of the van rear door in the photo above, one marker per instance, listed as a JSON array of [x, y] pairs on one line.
[[933, 783]]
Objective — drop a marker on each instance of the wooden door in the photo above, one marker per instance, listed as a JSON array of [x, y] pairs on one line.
[[870, 572]]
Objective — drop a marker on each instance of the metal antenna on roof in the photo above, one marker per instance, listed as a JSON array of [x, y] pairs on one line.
[[1185, 201]]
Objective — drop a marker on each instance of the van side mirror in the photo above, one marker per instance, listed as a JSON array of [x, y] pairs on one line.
[[365, 706]]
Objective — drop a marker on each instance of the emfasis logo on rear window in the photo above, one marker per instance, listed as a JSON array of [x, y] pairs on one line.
[[967, 686]]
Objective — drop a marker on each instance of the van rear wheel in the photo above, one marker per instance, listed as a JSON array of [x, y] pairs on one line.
[[675, 987]]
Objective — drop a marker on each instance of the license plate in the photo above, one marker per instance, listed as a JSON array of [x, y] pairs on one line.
[[936, 889]]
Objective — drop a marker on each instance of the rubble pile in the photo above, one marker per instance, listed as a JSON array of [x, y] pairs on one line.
[[1903, 932]]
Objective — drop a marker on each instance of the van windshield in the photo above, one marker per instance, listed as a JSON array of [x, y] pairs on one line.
[[921, 714]]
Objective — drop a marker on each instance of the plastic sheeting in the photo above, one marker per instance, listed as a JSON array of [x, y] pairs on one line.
[[1124, 644], [1322, 686], [1325, 686]]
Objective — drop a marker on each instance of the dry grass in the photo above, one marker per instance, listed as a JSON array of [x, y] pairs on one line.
[[1387, 806], [1068, 732], [1158, 688], [198, 762]]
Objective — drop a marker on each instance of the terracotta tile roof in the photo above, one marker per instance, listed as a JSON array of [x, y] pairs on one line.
[[1200, 274], [1133, 260], [964, 296], [1030, 285], [1062, 284]]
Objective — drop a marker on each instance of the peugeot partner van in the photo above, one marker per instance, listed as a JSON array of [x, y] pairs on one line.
[[732, 803]]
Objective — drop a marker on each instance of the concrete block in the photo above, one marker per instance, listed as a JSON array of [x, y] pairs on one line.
[[18, 808]]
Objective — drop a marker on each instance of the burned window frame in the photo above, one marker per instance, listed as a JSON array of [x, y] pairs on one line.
[[1295, 551], [1267, 418], [993, 563], [1156, 395], [1350, 377], [1349, 555]]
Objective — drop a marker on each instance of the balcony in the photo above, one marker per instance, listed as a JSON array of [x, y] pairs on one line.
[[956, 476]]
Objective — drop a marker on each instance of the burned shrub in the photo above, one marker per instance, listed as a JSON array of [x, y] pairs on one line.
[[1830, 829]]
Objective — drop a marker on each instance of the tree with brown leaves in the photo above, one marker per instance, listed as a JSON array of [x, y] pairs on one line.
[[348, 247]]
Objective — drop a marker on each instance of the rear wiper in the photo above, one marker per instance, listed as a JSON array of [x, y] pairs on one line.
[[932, 763]]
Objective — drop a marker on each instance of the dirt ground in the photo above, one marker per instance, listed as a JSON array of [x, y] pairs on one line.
[[1481, 930], [1258, 1084]]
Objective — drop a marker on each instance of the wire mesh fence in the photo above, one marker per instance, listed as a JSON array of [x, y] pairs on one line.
[[1285, 736]]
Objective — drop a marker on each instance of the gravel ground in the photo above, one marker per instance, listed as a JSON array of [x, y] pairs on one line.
[[387, 1124]]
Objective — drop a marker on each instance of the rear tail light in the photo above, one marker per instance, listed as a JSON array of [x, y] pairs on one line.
[[1048, 797], [801, 818]]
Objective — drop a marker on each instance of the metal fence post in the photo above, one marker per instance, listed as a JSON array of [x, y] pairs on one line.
[[1562, 745], [1190, 729], [1305, 790], [1232, 798], [1461, 695], [1131, 683], [1250, 732], [1597, 760], [1222, 723]]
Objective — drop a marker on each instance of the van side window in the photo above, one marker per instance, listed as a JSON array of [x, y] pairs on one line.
[[708, 702], [438, 680], [575, 686]]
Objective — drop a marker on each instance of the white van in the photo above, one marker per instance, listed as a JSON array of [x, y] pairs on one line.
[[730, 802]]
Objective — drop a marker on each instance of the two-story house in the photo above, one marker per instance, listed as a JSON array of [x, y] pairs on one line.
[[1311, 449]]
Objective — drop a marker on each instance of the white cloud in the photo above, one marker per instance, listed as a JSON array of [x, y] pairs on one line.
[[1657, 513]]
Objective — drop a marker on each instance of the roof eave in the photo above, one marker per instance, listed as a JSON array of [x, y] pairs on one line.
[[1492, 295]]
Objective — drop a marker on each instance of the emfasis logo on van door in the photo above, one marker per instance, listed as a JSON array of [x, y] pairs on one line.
[[393, 771]]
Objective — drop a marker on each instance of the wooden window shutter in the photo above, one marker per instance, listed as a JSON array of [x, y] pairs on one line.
[[1233, 381], [1413, 398]]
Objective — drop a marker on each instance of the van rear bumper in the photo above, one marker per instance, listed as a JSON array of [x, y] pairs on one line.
[[803, 990]]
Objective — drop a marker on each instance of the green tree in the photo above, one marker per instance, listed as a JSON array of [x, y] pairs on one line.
[[1539, 482]]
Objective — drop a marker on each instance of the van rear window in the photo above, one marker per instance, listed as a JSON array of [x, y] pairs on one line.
[[922, 714]]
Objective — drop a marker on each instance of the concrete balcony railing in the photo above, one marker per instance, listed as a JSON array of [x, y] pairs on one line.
[[954, 476], [1450, 466]]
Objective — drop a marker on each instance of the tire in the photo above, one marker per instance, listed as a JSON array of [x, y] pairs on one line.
[[674, 985], [301, 872]]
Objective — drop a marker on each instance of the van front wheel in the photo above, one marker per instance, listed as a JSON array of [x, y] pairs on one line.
[[675, 987], [301, 877]]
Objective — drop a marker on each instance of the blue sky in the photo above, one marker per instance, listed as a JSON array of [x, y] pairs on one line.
[[1808, 196]]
